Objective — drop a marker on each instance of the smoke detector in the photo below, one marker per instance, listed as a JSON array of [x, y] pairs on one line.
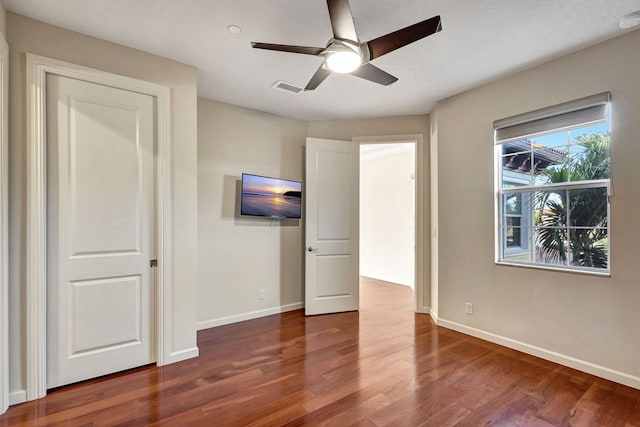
[[630, 20]]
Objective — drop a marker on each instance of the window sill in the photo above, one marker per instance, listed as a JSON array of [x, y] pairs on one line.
[[605, 273]]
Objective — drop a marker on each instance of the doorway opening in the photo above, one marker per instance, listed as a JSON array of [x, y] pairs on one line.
[[388, 215]]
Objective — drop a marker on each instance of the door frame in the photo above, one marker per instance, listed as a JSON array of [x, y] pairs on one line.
[[419, 264], [36, 245], [4, 230]]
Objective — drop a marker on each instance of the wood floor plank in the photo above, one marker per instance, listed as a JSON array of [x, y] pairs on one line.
[[382, 366]]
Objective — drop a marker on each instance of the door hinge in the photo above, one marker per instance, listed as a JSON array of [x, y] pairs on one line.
[[153, 263]]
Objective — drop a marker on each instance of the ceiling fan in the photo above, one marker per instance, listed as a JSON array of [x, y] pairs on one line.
[[345, 53]]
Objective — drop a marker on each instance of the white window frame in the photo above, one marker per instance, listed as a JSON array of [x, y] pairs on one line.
[[525, 221], [530, 121]]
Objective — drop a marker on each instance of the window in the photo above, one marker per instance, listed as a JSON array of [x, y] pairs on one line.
[[553, 186], [516, 219]]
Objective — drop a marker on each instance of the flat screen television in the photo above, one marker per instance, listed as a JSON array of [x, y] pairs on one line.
[[270, 197]]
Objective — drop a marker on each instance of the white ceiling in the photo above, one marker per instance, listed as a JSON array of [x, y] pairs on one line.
[[481, 40], [369, 152]]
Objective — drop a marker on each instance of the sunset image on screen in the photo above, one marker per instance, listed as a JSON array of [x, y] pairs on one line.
[[271, 197]]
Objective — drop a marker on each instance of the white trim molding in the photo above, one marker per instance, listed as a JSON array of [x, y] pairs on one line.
[[418, 140], [433, 203], [17, 396], [179, 356], [562, 359], [434, 316], [36, 259], [206, 324], [423, 310], [5, 398]]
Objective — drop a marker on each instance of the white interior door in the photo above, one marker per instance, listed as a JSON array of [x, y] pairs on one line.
[[100, 222], [331, 220]]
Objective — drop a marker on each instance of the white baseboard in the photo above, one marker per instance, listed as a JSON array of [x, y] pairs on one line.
[[17, 396], [179, 356], [423, 310], [572, 362], [206, 324], [434, 316]]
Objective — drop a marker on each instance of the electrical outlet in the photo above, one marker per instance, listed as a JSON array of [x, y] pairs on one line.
[[261, 294], [468, 308]]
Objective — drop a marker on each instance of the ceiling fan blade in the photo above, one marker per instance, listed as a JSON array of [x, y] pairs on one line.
[[342, 20], [318, 78], [392, 41], [306, 50], [372, 73]]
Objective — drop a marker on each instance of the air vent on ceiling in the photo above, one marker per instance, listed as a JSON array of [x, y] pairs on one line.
[[289, 87]]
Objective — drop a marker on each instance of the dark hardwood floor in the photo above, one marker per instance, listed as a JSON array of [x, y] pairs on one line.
[[383, 365]]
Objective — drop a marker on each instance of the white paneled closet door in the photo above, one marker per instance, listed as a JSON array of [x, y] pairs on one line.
[[100, 222]]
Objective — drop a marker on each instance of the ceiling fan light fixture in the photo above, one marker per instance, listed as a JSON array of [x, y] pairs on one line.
[[346, 54], [344, 61]]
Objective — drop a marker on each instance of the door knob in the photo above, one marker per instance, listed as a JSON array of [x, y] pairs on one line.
[[312, 249]]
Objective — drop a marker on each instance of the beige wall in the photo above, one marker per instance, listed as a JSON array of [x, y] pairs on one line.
[[26, 35], [387, 217], [3, 20], [381, 126], [241, 255], [387, 126], [590, 318]]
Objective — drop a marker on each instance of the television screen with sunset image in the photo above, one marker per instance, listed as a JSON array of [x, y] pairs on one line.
[[270, 197]]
